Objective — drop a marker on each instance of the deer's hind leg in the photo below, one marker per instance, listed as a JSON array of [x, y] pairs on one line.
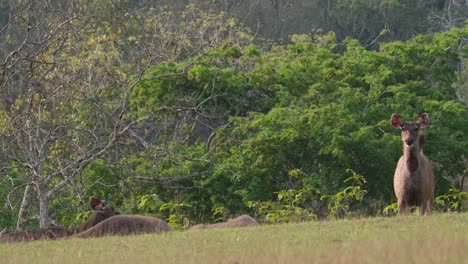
[[423, 209], [429, 206], [403, 208]]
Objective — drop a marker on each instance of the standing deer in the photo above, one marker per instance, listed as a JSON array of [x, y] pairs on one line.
[[414, 180]]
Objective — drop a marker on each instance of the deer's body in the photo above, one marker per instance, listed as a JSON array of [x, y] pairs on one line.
[[106, 222], [240, 221], [126, 225], [414, 180]]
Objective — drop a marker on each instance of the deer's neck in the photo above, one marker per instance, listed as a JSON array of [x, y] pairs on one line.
[[411, 155]]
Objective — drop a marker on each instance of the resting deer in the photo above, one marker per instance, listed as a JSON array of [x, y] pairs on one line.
[[240, 221], [414, 180], [105, 222]]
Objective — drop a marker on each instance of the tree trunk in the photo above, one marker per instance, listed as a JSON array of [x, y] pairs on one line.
[[43, 206], [22, 217]]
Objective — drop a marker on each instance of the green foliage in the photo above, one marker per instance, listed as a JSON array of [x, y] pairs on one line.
[[340, 202], [221, 213], [454, 200], [151, 203], [7, 217], [391, 209], [104, 179], [321, 112], [11, 191], [291, 206], [176, 217]]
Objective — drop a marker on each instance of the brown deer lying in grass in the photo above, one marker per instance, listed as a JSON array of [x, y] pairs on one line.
[[414, 180], [126, 225], [105, 222], [240, 221]]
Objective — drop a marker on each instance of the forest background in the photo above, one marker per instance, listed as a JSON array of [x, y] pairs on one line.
[[197, 111]]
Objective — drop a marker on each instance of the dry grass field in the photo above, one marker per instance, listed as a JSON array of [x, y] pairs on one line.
[[440, 238]]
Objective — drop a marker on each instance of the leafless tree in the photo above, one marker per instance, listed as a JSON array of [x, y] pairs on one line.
[[453, 15], [67, 70]]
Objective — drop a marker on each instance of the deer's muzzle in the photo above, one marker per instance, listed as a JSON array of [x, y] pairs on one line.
[[409, 141]]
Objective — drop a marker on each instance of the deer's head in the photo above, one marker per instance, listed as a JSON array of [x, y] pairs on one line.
[[101, 210], [411, 132]]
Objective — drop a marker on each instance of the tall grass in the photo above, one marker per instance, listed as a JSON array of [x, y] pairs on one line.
[[440, 238]]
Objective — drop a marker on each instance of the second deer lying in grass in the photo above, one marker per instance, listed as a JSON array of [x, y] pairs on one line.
[[241, 221], [414, 180]]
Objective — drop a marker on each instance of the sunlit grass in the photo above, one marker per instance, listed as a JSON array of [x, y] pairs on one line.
[[440, 238]]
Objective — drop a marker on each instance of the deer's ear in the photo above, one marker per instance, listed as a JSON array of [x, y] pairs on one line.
[[396, 121], [423, 120], [95, 202]]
